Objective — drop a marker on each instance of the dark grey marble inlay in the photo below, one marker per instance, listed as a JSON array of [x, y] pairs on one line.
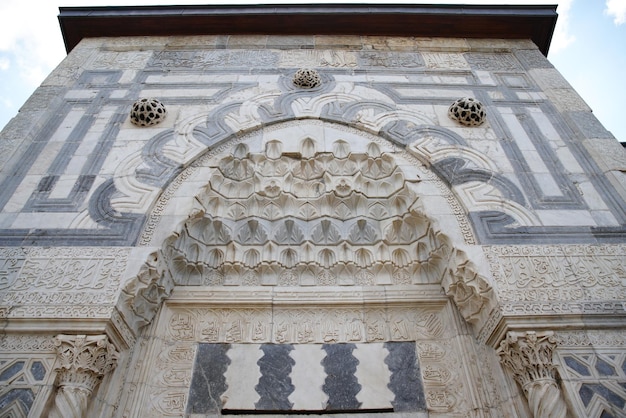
[[208, 382], [405, 380], [588, 390], [341, 385], [577, 366], [275, 384], [20, 399]]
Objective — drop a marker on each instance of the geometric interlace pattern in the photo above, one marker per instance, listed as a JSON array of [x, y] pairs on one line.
[[599, 381]]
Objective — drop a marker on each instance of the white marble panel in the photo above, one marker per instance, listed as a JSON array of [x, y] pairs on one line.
[[373, 376], [22, 194], [424, 93], [43, 220], [565, 218], [63, 186], [81, 94], [591, 196], [308, 377], [191, 78], [547, 184], [165, 93], [68, 125], [517, 131], [243, 368], [485, 78]]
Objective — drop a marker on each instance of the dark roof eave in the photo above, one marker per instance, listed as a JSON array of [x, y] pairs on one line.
[[468, 21]]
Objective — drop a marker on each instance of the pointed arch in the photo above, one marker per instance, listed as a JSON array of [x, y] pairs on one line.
[[294, 236]]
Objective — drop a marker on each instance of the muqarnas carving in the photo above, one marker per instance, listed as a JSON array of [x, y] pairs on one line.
[[307, 218], [467, 111], [307, 78], [147, 112]]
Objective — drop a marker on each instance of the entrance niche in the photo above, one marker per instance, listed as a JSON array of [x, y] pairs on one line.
[[307, 278]]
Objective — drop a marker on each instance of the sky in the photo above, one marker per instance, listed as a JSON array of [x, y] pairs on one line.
[[588, 48]]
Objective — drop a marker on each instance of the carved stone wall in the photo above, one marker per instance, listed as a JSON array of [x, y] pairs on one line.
[[262, 216], [161, 377]]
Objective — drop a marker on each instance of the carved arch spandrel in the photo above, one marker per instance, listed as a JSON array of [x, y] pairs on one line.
[[479, 187], [337, 210]]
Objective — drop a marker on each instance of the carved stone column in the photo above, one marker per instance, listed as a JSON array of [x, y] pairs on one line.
[[82, 361], [528, 355]]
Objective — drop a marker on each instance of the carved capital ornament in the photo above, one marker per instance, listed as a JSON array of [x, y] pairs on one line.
[[82, 362], [528, 355]]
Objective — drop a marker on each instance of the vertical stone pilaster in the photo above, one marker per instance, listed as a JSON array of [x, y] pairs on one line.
[[528, 355], [82, 362]]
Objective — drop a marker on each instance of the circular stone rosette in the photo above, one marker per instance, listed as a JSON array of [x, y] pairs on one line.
[[467, 111], [307, 78], [147, 112]]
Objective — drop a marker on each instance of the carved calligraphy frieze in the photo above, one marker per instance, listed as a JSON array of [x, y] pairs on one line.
[[303, 325], [572, 273], [217, 59], [317, 58], [45, 279]]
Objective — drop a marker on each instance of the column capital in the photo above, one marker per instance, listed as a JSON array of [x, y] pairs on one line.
[[82, 360], [528, 355]]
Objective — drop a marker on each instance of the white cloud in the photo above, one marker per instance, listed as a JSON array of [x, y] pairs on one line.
[[6, 102], [5, 63], [30, 35], [562, 37], [617, 9]]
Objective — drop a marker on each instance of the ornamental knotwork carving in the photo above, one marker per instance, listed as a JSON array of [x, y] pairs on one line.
[[528, 355], [467, 111], [147, 112], [82, 362], [307, 78]]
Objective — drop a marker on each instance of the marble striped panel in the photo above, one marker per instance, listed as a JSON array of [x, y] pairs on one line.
[[242, 378]]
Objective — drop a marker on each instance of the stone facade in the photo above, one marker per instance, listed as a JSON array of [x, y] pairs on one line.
[[342, 246]]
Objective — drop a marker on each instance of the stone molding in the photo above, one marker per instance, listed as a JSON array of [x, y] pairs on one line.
[[528, 356], [82, 362]]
